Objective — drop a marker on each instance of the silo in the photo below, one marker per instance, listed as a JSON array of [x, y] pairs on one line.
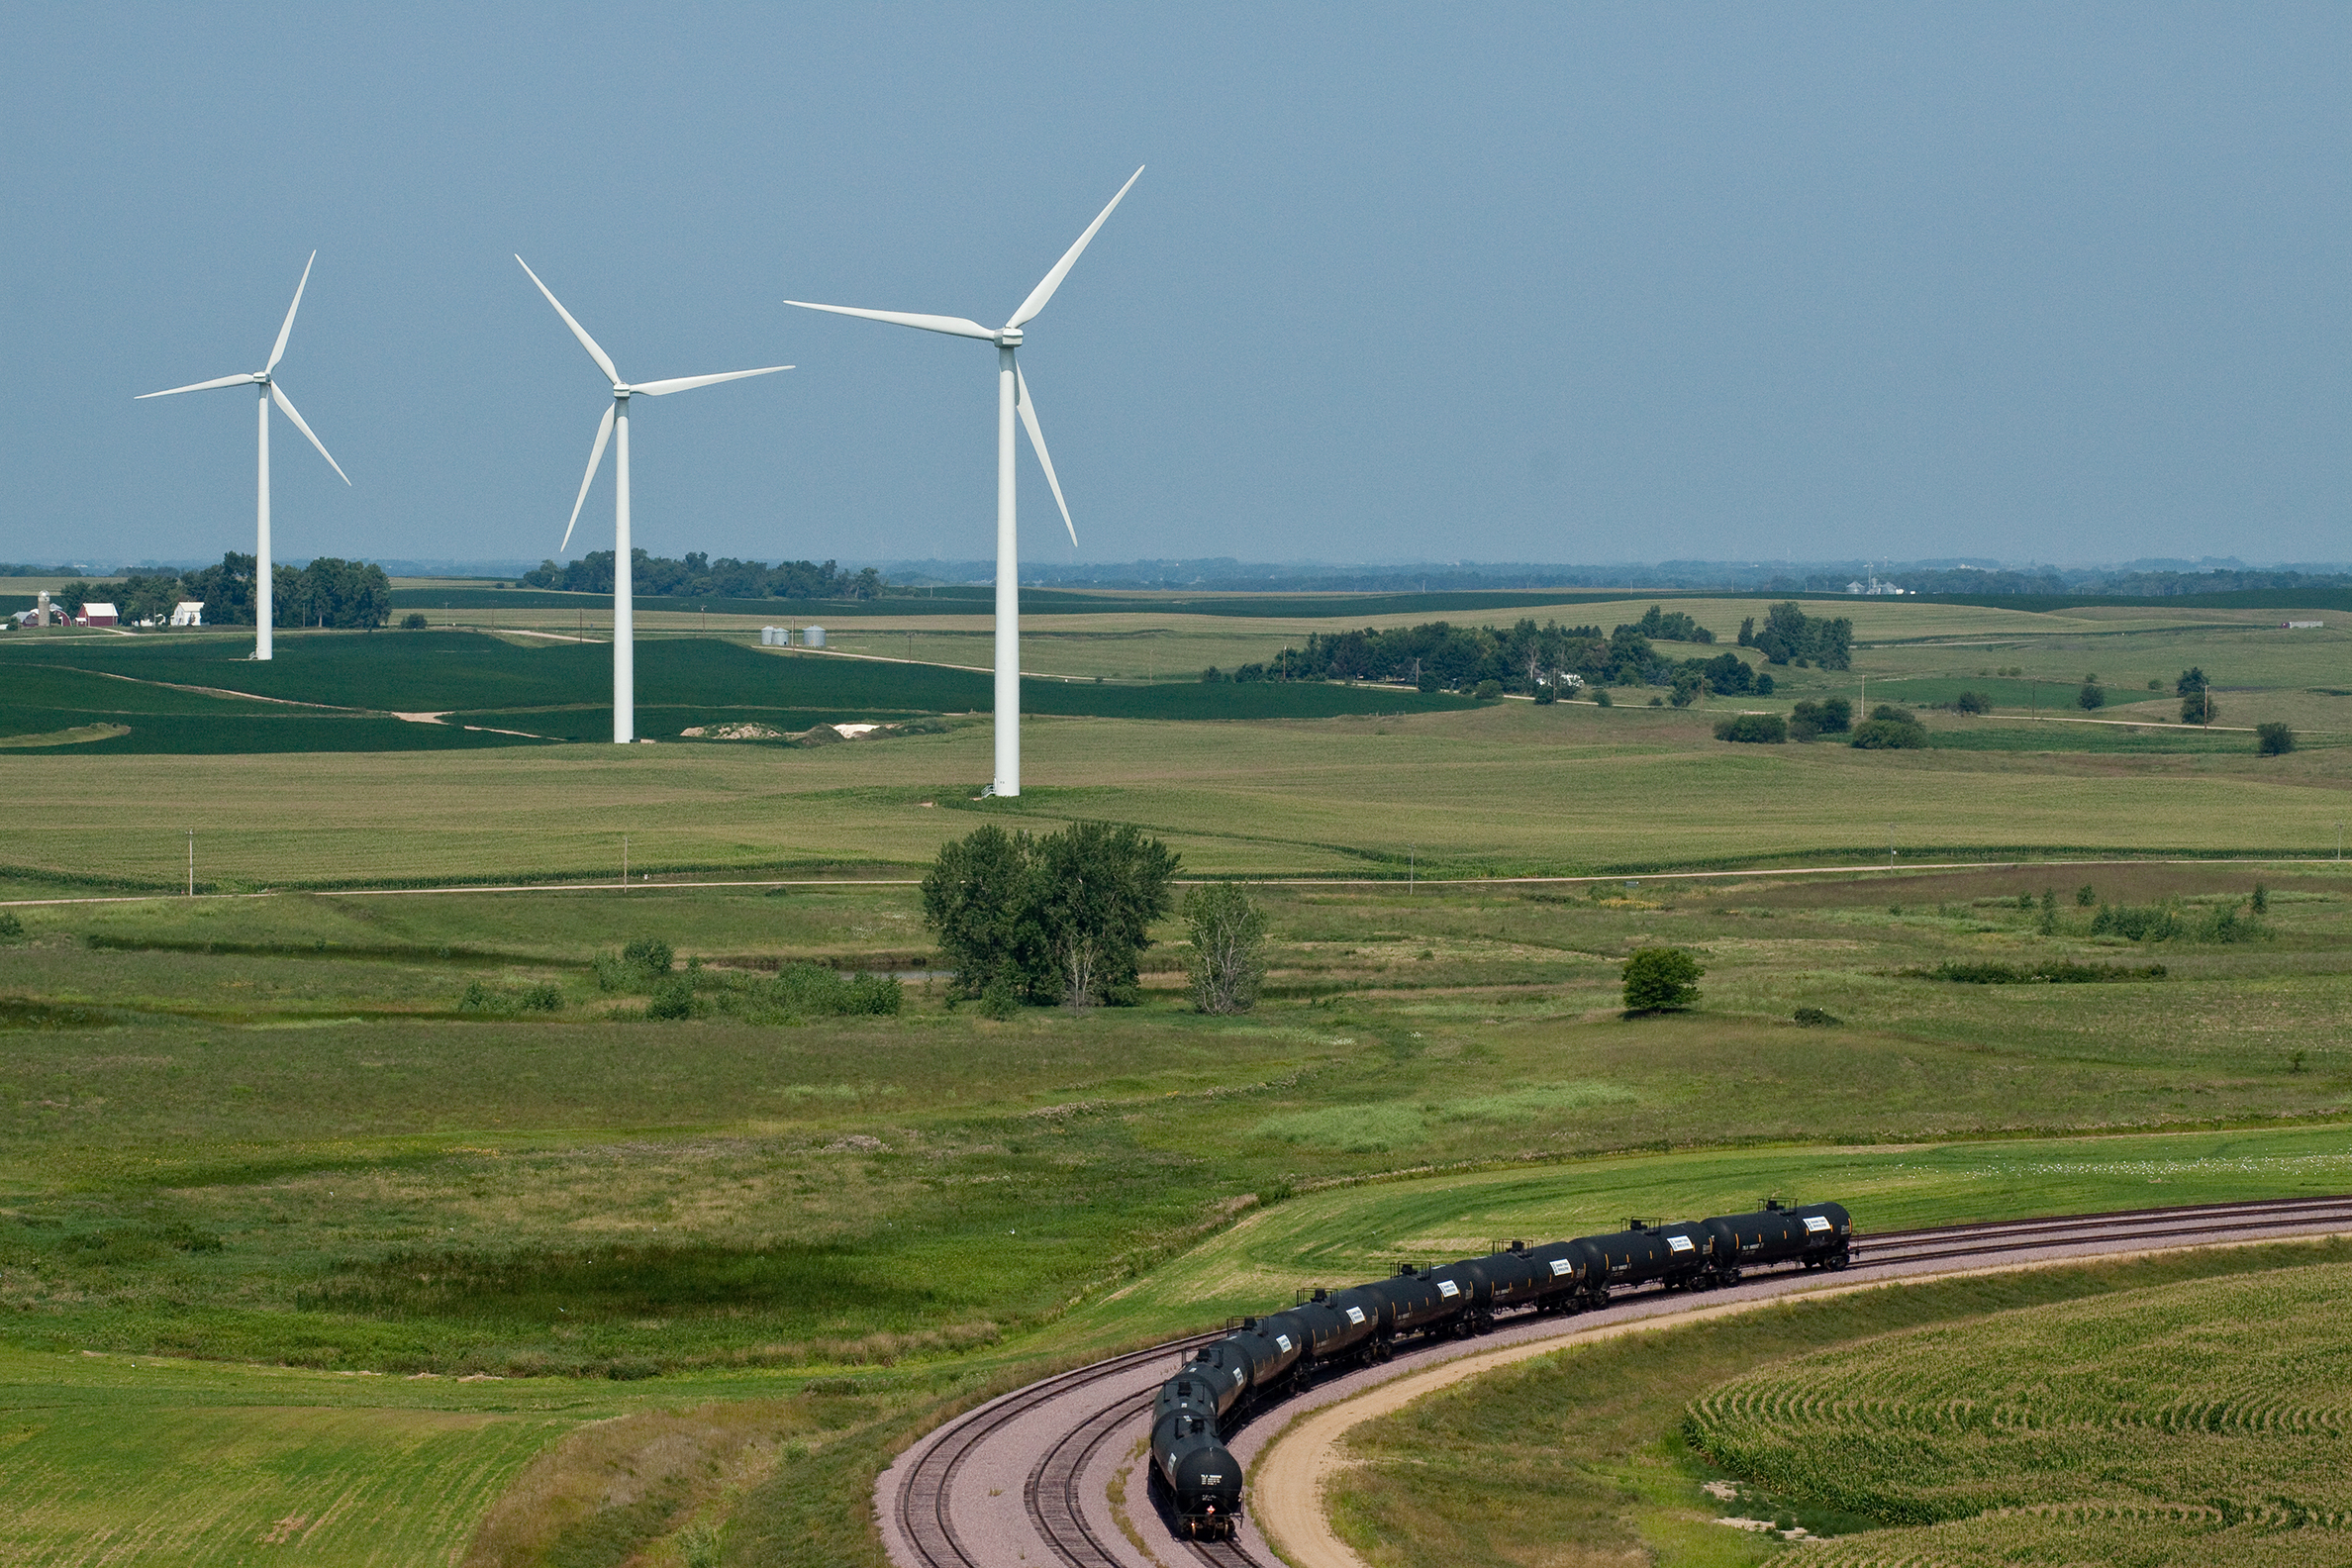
[[814, 637]]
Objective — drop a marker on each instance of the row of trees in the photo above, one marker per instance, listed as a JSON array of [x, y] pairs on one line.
[[1887, 729], [329, 592], [697, 576], [1790, 637], [1064, 918], [1526, 658]]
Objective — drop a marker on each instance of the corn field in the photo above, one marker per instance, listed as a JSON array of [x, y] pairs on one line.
[[2204, 1423]]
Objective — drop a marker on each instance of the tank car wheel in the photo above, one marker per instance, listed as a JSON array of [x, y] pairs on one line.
[[1839, 1261]]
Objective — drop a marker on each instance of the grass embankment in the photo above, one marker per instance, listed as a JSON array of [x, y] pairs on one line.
[[261, 1131], [2146, 1409]]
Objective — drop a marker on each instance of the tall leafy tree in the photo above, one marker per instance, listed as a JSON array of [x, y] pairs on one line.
[[1099, 889], [979, 896]]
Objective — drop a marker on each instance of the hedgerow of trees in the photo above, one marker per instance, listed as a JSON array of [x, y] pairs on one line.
[[1062, 917], [697, 576], [329, 592], [1525, 658]]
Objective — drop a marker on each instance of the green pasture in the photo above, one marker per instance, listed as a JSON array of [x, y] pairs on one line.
[[1497, 789], [259, 1137]]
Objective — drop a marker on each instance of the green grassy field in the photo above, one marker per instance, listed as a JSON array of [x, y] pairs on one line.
[[260, 1131], [2128, 1412], [261, 1137]]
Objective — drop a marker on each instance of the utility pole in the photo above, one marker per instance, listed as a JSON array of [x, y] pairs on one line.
[[192, 855], [625, 860], [1890, 843], [1411, 853]]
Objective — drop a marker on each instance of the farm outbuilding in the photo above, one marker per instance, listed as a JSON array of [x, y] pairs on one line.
[[99, 614]]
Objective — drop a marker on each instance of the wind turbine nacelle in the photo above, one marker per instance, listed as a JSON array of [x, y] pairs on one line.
[[1008, 337]]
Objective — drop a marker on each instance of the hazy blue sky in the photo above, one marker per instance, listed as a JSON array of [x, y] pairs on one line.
[[1536, 283]]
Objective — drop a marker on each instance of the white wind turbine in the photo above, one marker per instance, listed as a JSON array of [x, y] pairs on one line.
[[271, 392], [617, 417], [1012, 394]]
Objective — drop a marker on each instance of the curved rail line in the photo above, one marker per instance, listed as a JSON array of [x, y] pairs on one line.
[[1053, 1492]]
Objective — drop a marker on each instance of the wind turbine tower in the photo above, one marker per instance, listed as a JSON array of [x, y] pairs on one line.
[[263, 380], [1013, 397], [615, 423]]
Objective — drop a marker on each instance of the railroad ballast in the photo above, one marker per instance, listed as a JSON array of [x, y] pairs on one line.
[[1268, 1359]]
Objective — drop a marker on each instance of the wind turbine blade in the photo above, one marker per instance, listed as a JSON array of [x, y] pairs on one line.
[[200, 386], [1061, 270], [278, 351], [1029, 418], [604, 432], [604, 362], [689, 383], [952, 326], [277, 395]]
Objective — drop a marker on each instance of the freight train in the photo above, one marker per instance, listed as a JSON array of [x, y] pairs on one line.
[[1265, 1359]]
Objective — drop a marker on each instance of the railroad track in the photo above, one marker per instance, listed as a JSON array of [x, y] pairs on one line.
[[1053, 1491]]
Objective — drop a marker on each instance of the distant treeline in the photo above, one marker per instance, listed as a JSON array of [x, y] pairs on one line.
[[1537, 660], [697, 576], [326, 593]]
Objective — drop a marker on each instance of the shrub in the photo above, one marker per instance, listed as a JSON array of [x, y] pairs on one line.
[[2053, 971], [673, 998], [545, 997], [1488, 690], [2084, 897], [2273, 740], [2092, 695], [1754, 728], [1685, 690], [2151, 923], [2223, 924], [1661, 980], [1546, 692], [1889, 733], [414, 620], [11, 929], [1830, 716], [1228, 938], [1601, 698], [2200, 708], [1814, 1017], [650, 953], [1972, 702]]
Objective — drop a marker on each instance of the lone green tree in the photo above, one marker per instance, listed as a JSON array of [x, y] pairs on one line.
[[1661, 980], [1228, 943]]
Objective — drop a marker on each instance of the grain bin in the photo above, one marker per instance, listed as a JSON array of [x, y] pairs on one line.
[[814, 637]]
